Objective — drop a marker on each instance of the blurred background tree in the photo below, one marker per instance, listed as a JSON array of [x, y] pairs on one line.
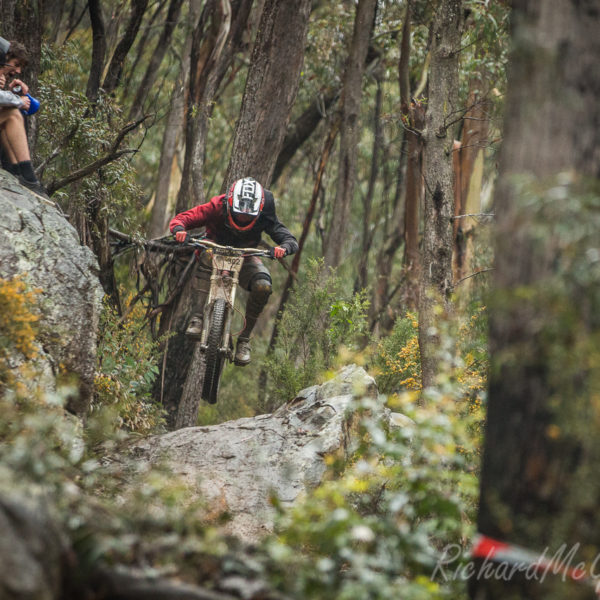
[[541, 443]]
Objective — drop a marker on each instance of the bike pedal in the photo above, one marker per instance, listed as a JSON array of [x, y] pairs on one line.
[[238, 363]]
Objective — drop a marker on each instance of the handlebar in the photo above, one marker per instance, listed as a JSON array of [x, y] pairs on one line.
[[231, 250]]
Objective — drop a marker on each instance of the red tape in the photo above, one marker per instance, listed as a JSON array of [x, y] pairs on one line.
[[488, 548]]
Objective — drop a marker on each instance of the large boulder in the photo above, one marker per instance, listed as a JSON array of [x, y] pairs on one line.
[[236, 466], [39, 244]]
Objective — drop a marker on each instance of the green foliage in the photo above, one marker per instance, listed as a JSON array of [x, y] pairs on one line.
[[73, 134], [485, 42], [126, 371], [380, 529], [317, 320]]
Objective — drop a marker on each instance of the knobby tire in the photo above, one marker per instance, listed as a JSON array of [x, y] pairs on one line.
[[214, 359]]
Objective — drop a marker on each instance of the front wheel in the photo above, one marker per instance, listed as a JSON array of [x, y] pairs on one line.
[[214, 357]]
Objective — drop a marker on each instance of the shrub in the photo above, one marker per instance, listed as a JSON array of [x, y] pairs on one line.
[[397, 360], [379, 530], [318, 319], [127, 370], [18, 319]]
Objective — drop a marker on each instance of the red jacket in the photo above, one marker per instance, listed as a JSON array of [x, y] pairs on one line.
[[213, 216]]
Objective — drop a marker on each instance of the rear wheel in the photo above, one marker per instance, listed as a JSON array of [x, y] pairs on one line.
[[214, 358]]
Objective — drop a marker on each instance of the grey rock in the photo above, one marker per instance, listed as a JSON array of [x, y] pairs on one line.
[[39, 244], [236, 466], [31, 548]]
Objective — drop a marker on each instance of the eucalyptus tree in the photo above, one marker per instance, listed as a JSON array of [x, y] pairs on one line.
[[349, 130], [443, 112], [270, 91], [217, 39]]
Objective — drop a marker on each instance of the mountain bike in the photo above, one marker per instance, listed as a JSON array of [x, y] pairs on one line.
[[215, 345]]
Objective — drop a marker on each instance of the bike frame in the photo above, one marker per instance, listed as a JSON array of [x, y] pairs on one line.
[[227, 262]]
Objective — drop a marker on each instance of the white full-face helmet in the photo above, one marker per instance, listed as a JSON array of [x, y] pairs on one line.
[[245, 202]]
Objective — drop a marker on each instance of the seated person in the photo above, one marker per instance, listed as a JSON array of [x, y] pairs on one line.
[[237, 219], [13, 136]]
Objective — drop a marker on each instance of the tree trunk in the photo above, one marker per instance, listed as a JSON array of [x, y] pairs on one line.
[[270, 90], [310, 213], [351, 97], [113, 75], [211, 55], [155, 61], [368, 227], [160, 209], [413, 203], [141, 50], [216, 41], [302, 129], [98, 49], [178, 349], [173, 130], [539, 484], [442, 113], [268, 99], [97, 223], [415, 118], [293, 272], [395, 227], [23, 22]]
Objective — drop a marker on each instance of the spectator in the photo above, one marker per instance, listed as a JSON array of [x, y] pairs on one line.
[[13, 136]]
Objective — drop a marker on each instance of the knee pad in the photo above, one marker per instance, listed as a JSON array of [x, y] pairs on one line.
[[260, 286]]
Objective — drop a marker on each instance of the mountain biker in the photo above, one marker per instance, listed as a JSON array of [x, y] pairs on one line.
[[237, 219]]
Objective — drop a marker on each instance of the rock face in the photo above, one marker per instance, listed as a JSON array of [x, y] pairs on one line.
[[38, 243], [235, 466]]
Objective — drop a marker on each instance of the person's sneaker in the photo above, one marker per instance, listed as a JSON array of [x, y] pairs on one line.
[[242, 353], [35, 186], [194, 329]]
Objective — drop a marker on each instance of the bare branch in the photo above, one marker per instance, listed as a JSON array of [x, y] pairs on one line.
[[473, 215], [472, 275], [113, 154], [88, 170]]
